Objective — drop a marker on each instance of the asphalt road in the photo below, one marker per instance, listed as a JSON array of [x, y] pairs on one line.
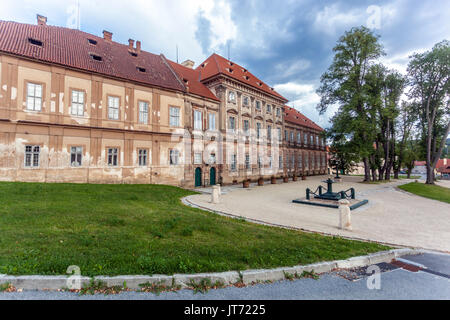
[[432, 281]]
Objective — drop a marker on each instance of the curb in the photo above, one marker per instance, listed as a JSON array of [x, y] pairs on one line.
[[226, 278]]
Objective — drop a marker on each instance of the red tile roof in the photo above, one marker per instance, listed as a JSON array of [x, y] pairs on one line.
[[443, 163], [296, 117], [217, 64], [192, 82], [71, 48]]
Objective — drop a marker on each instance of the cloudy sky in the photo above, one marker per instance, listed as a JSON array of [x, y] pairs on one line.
[[286, 43]]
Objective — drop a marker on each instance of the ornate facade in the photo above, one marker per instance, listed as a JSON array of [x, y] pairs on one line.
[[79, 108]]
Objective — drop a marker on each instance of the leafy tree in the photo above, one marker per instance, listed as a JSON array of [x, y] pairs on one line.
[[429, 75], [344, 84]]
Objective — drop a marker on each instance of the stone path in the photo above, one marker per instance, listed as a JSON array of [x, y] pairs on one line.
[[392, 215]]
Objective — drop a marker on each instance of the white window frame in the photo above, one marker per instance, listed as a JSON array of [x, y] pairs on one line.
[[247, 161], [233, 166], [258, 105], [280, 162], [32, 152], [198, 120], [232, 96], [246, 101], [142, 157], [246, 125], [258, 130], [77, 106], [212, 121], [198, 158], [76, 156], [269, 132], [174, 157], [34, 96], [113, 157], [174, 116], [143, 112], [232, 124], [113, 107]]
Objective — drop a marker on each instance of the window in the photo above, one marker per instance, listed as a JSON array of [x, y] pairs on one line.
[[174, 156], [258, 105], [113, 108], [306, 162], [312, 139], [269, 132], [212, 158], [113, 154], [76, 154], [246, 126], [258, 130], [232, 124], [300, 164], [35, 42], [198, 120], [34, 97], [280, 160], [259, 162], [312, 161], [247, 161], [270, 162], [305, 138], [317, 140], [142, 157], [299, 140], [245, 101], [292, 136], [279, 134], [32, 156], [293, 161], [174, 116], [198, 158], [269, 108], [77, 108], [278, 112], [231, 96], [96, 57], [212, 121], [143, 112], [286, 136], [233, 162]]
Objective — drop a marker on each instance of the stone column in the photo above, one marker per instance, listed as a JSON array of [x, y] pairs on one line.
[[345, 220], [215, 195]]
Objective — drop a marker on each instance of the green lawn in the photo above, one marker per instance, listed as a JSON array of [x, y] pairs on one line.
[[142, 229], [428, 191]]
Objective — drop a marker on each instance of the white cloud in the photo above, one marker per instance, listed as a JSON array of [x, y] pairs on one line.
[[291, 68], [303, 97], [331, 19]]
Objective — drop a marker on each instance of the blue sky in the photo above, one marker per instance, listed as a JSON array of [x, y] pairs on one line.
[[286, 43]]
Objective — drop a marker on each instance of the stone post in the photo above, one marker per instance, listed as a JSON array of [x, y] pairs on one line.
[[345, 220], [215, 195]]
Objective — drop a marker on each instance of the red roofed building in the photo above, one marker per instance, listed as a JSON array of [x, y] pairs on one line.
[[305, 145], [75, 107]]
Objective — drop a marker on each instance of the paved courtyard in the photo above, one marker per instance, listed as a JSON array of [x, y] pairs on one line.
[[392, 215]]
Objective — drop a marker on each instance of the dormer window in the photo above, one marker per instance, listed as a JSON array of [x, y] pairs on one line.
[[247, 78], [140, 69], [260, 84], [96, 57], [35, 42], [92, 41], [230, 70], [134, 54], [230, 63]]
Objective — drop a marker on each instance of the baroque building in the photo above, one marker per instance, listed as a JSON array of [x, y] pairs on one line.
[[75, 107]]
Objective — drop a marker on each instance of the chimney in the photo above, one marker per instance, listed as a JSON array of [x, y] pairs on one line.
[[138, 47], [41, 20], [188, 64], [107, 35], [130, 44]]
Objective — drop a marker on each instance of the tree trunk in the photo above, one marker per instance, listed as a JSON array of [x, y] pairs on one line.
[[366, 169]]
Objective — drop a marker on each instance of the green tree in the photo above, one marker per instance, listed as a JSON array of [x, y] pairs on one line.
[[429, 75], [343, 84]]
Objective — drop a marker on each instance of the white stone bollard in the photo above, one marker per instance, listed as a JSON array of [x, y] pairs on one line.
[[345, 219], [215, 195]]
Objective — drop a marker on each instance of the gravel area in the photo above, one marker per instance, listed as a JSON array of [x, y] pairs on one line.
[[391, 216]]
